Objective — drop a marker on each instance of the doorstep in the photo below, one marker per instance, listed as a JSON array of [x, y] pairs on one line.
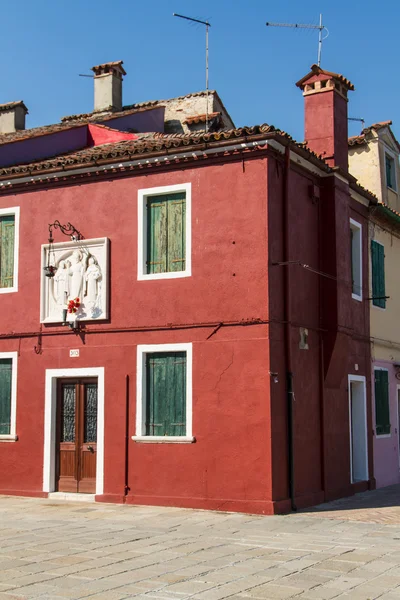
[[71, 497]]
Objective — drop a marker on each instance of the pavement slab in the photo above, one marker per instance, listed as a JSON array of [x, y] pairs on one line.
[[57, 550]]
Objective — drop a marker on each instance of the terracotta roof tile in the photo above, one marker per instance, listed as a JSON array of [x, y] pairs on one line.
[[362, 138], [96, 118], [150, 144], [10, 105], [316, 70], [201, 118]]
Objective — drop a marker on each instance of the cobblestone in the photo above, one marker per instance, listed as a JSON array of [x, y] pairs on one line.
[[58, 550]]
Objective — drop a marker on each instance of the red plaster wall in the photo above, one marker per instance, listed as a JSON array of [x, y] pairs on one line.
[[229, 465]]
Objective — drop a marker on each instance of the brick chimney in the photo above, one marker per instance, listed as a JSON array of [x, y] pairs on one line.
[[12, 116], [108, 86], [325, 111]]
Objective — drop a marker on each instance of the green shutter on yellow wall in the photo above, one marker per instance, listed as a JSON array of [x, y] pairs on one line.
[[378, 274], [166, 393], [7, 227], [382, 411], [5, 395], [166, 233]]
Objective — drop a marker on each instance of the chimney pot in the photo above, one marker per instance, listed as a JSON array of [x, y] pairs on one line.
[[12, 116], [108, 86]]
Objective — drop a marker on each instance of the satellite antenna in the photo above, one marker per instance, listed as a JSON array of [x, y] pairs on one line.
[[320, 28], [207, 24]]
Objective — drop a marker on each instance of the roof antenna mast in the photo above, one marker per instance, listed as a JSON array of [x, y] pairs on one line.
[[320, 28], [207, 24]]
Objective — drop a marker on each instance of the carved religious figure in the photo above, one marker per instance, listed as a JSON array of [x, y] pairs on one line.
[[92, 284], [76, 273], [61, 283]]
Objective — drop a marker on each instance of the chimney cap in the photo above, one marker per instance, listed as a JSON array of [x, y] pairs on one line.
[[114, 68], [11, 105], [317, 71]]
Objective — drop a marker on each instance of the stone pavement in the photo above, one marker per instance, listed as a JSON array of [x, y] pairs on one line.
[[56, 550]]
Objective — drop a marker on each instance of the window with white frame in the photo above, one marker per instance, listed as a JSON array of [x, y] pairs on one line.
[[390, 169], [356, 259], [164, 232], [9, 230], [8, 395], [164, 393]]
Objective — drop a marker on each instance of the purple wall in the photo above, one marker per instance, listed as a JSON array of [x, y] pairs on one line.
[[386, 447], [61, 142], [46, 146]]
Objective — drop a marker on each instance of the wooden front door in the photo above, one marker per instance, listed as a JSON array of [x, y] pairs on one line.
[[76, 435]]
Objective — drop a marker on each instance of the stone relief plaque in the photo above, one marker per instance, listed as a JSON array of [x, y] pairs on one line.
[[79, 288]]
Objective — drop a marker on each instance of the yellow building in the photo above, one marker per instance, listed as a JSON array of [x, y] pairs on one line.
[[374, 161]]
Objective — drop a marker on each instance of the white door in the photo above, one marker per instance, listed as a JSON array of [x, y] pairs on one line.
[[358, 429]]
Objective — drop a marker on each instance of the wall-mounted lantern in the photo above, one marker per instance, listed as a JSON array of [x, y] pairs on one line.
[[68, 229]]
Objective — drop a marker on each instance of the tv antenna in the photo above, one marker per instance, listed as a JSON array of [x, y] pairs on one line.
[[207, 24], [320, 28]]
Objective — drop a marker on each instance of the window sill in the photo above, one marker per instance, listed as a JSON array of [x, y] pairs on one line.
[[8, 437], [156, 439], [383, 435], [10, 290], [391, 189], [168, 275], [356, 297]]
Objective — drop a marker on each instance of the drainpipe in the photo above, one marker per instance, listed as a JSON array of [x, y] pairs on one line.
[[287, 326], [321, 355], [126, 486]]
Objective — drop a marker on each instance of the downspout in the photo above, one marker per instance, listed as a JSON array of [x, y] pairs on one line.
[[321, 354], [126, 474], [287, 327]]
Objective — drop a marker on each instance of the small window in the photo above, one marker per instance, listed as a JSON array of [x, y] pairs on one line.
[[356, 259], [8, 374], [378, 274], [382, 412], [164, 393], [390, 172], [164, 232]]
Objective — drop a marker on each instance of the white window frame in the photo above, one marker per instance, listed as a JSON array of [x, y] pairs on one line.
[[382, 436], [12, 436], [13, 212], [143, 194], [142, 352], [357, 227], [395, 162]]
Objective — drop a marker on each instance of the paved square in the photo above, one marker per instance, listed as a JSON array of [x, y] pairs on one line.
[[56, 550]]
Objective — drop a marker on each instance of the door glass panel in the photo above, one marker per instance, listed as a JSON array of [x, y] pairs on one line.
[[68, 413], [90, 411]]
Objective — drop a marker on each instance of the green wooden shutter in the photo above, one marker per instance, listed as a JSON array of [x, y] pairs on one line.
[[7, 227], [5, 395], [156, 234], [166, 393], [378, 274], [166, 233], [176, 236], [382, 412]]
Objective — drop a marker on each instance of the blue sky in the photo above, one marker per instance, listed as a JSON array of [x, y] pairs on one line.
[[45, 44]]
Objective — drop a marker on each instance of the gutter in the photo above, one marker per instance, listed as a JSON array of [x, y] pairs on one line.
[[168, 156]]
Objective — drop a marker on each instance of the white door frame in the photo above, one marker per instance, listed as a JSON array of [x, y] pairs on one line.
[[358, 379], [50, 405]]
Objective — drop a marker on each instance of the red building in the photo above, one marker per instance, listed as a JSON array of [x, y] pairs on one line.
[[218, 356]]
